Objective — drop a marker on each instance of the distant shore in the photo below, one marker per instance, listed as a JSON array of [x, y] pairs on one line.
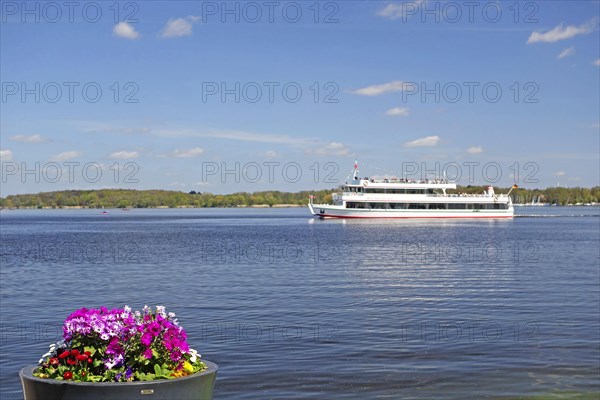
[[141, 208], [129, 198]]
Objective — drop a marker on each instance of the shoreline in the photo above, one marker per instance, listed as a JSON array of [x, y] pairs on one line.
[[146, 208]]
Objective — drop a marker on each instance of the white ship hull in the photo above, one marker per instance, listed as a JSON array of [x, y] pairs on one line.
[[330, 211]]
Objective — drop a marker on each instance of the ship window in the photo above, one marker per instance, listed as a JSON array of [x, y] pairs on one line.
[[354, 204], [457, 206], [375, 190], [437, 206], [417, 206]]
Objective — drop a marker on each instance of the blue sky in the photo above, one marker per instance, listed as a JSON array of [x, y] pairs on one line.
[[498, 92]]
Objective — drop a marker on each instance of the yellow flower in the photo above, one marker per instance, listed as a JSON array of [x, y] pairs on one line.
[[188, 367]]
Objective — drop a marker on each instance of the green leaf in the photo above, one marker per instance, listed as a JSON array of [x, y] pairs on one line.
[[157, 370]]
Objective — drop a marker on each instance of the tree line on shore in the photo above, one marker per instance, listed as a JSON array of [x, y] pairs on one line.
[[127, 198]]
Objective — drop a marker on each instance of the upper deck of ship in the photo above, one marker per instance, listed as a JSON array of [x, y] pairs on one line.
[[395, 183]]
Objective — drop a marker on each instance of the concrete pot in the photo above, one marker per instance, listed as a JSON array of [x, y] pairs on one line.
[[198, 386]]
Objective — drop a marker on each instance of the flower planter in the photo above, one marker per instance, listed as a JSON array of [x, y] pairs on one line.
[[198, 386]]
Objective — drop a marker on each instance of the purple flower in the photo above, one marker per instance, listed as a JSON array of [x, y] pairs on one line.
[[123, 336], [154, 328], [148, 353], [146, 339]]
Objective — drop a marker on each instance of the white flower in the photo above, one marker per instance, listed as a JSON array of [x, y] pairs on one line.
[[161, 310], [194, 355], [115, 361]]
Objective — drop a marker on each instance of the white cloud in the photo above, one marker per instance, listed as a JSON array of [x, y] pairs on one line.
[[400, 10], [566, 52], [235, 135], [196, 151], [67, 155], [125, 30], [403, 111], [177, 184], [376, 90], [561, 32], [560, 173], [475, 150], [427, 141], [597, 62], [127, 131], [333, 149], [27, 139], [306, 144], [178, 27], [270, 154], [6, 155], [124, 154]]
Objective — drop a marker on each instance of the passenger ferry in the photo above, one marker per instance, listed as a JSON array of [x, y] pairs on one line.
[[405, 198]]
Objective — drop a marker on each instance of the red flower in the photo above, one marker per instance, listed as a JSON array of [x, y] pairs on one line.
[[75, 352], [68, 375], [82, 357], [54, 361], [87, 353], [64, 354], [89, 360], [70, 361]]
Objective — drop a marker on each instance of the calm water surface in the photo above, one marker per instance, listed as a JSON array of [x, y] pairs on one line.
[[292, 307]]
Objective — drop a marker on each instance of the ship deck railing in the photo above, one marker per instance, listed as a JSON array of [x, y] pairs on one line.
[[428, 194]]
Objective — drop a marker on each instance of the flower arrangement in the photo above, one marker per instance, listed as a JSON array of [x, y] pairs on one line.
[[102, 345]]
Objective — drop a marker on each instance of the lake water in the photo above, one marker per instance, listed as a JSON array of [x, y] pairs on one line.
[[293, 307]]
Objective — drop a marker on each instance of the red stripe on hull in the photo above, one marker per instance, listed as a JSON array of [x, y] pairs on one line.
[[347, 216]]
